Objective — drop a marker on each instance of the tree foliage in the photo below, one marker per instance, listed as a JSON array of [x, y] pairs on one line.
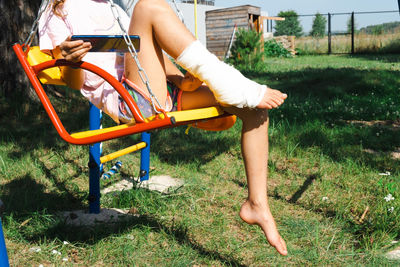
[[274, 49], [319, 26], [246, 50], [388, 27], [378, 30], [289, 26]]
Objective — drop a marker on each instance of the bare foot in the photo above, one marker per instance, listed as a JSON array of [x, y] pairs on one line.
[[272, 99], [260, 215]]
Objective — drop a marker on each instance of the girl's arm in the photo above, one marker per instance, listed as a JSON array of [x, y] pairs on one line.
[[185, 82], [72, 51]]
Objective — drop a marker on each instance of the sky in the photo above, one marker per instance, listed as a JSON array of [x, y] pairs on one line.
[[324, 6]]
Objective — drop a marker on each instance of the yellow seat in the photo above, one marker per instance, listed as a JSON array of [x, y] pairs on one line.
[[48, 76]]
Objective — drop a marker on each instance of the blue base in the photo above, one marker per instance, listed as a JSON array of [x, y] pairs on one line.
[[3, 251], [95, 166], [94, 162], [145, 158]]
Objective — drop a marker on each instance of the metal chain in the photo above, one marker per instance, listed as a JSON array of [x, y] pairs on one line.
[[42, 8], [134, 55], [131, 47], [180, 14], [129, 5]]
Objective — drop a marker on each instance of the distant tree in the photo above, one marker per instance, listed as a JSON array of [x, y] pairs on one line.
[[318, 26], [349, 25], [389, 27], [289, 26], [378, 30]]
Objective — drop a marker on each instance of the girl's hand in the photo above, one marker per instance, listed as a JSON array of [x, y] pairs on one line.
[[74, 50], [190, 83]]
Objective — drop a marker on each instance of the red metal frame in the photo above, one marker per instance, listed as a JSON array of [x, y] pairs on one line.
[[140, 126]]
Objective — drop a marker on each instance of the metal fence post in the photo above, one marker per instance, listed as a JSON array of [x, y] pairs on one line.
[[352, 32], [329, 34], [399, 5], [94, 162]]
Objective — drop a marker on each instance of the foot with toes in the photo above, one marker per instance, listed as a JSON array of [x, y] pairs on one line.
[[259, 214]]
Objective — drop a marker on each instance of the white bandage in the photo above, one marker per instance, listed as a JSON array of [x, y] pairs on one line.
[[228, 85]]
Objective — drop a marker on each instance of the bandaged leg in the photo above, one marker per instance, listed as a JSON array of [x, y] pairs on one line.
[[228, 85]]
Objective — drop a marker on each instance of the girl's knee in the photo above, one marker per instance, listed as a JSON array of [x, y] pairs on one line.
[[143, 6], [255, 117], [150, 7], [248, 114]]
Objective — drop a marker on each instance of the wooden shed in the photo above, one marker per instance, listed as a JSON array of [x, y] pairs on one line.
[[220, 24]]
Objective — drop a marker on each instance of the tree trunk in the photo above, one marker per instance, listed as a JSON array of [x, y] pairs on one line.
[[16, 18]]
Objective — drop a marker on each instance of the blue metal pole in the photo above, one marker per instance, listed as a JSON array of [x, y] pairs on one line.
[[399, 5], [145, 158], [94, 162], [3, 250]]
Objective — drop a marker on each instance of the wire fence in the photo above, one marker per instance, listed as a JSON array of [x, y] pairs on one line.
[[349, 32]]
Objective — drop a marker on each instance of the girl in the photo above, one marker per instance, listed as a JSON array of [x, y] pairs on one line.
[[208, 81]]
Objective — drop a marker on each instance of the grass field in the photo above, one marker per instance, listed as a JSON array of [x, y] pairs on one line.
[[363, 43], [331, 143]]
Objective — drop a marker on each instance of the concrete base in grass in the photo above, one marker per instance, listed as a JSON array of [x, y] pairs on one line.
[[394, 254], [106, 216], [163, 183]]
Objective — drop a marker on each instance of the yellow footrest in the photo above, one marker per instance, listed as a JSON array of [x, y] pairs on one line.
[[180, 116]]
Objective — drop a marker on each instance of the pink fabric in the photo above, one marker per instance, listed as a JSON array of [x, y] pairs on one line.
[[88, 17]]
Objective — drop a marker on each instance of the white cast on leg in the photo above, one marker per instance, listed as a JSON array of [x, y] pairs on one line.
[[229, 86]]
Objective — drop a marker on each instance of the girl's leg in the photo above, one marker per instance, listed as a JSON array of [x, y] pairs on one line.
[[255, 209], [159, 29], [200, 98]]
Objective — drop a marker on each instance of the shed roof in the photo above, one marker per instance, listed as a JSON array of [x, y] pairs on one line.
[[255, 10]]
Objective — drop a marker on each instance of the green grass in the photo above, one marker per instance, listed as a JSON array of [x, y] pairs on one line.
[[322, 177], [363, 44]]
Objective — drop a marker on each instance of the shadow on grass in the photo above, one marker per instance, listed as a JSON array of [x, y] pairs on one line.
[[352, 142], [326, 84], [92, 235], [324, 95], [307, 183], [389, 58], [174, 146], [28, 126], [323, 101], [25, 195]]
